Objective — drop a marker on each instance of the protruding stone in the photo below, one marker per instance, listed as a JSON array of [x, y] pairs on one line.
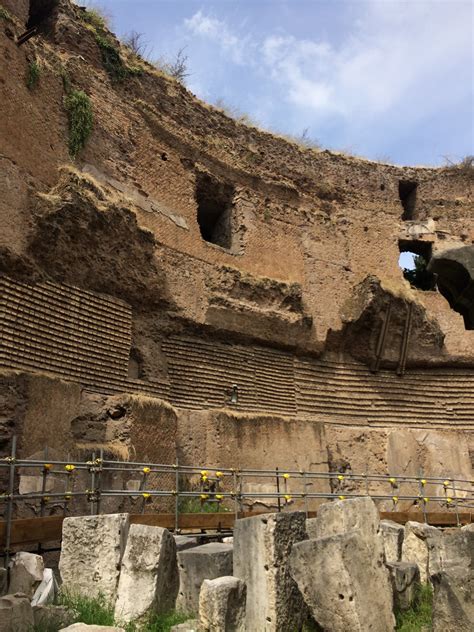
[[149, 575], [207, 561], [184, 542], [405, 578], [341, 516], [453, 583], [262, 546], [222, 605], [16, 614], [91, 554], [26, 573], [392, 539], [415, 546], [53, 617], [344, 582], [188, 626]]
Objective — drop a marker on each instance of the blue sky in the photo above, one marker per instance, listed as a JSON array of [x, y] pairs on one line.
[[390, 80]]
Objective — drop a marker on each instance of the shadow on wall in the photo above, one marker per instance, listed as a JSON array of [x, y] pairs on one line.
[[455, 279]]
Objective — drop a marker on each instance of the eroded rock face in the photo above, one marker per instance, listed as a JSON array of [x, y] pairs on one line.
[[343, 583], [340, 570], [453, 583], [415, 547], [26, 573], [16, 614], [91, 554], [405, 581], [83, 627], [222, 605], [262, 546], [149, 575], [392, 538]]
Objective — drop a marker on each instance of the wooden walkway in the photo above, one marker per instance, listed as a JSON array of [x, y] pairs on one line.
[[30, 531]]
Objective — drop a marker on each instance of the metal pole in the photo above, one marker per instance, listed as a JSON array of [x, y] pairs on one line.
[[11, 485], [278, 488], [99, 481], [92, 490], [176, 503], [236, 502], [456, 503], [305, 484], [43, 491]]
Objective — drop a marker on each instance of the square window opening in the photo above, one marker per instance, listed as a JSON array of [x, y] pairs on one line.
[[214, 210]]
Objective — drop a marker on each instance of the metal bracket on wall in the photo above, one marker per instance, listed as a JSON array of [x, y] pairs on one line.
[[382, 339], [405, 339]]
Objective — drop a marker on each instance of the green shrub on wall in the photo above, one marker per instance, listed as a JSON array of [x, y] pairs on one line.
[[81, 119], [33, 76]]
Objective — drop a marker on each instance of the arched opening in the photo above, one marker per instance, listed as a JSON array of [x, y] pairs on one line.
[[456, 285], [414, 259]]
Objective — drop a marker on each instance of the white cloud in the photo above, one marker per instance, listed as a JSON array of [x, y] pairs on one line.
[[399, 60], [217, 31]]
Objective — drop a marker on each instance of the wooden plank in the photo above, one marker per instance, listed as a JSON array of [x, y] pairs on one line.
[[33, 530], [27, 531]]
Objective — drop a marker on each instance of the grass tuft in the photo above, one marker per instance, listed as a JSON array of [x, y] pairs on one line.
[[4, 15], [33, 76], [97, 611], [79, 109], [418, 617], [95, 18], [92, 611]]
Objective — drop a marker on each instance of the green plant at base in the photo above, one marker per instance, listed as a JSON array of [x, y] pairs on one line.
[[194, 505], [418, 617], [34, 72], [79, 109], [90, 610]]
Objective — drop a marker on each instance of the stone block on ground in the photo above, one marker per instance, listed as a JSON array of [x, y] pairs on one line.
[[405, 577], [207, 561], [222, 605], [188, 626], [149, 576], [16, 614], [453, 583], [392, 539], [341, 516], [83, 627], [262, 546], [91, 554], [415, 546], [26, 573], [184, 542], [345, 584], [53, 617]]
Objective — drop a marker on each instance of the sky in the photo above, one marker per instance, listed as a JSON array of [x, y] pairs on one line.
[[390, 80]]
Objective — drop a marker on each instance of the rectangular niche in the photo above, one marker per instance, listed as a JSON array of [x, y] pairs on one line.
[[407, 193], [214, 209]]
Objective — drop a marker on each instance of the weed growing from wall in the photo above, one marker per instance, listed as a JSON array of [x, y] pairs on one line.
[[4, 15], [111, 59], [33, 75], [79, 109]]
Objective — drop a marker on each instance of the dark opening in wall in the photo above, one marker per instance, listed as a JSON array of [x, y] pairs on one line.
[[457, 286], [135, 365], [414, 259], [407, 193], [41, 12], [215, 205]]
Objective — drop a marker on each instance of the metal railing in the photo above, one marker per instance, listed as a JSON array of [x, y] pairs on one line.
[[86, 486]]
